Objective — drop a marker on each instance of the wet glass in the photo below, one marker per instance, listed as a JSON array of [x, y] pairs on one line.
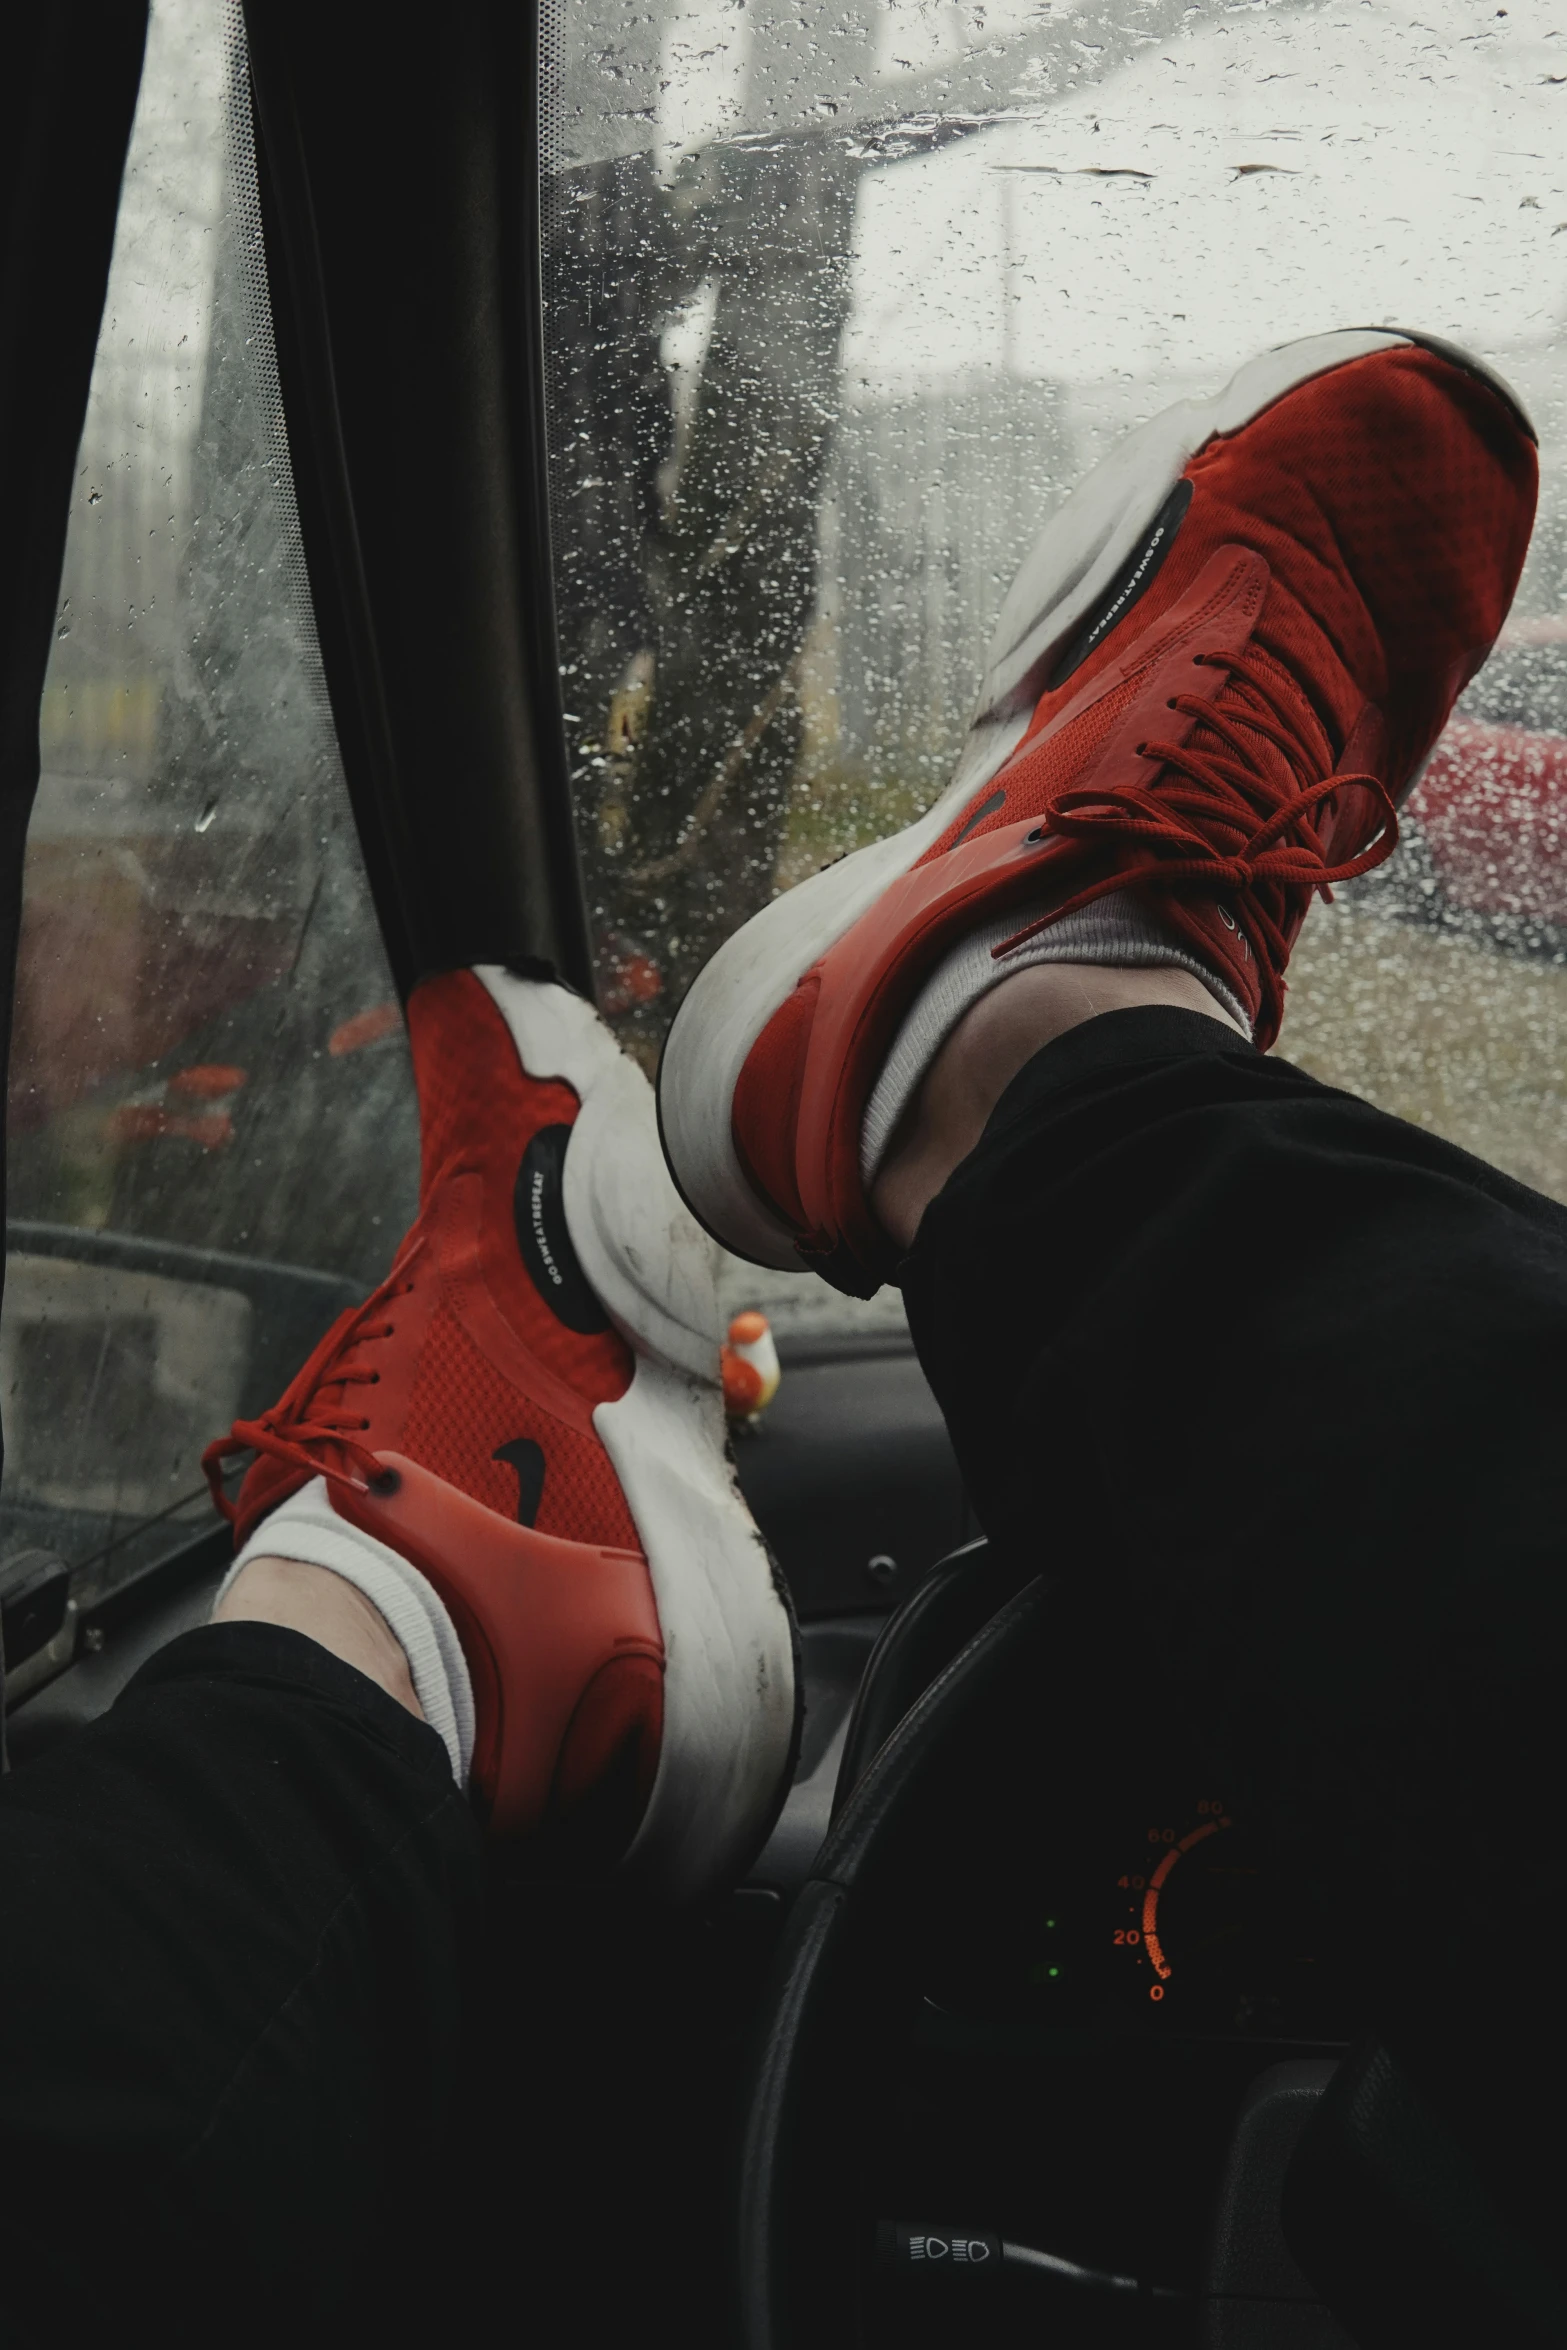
[[844, 297], [213, 1135]]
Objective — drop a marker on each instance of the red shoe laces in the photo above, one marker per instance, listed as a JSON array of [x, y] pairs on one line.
[[302, 1429], [1200, 794]]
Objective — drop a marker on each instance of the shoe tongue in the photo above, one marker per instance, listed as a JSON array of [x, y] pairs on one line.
[[347, 1353], [1241, 705]]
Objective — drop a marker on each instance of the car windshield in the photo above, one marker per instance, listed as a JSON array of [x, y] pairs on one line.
[[842, 300]]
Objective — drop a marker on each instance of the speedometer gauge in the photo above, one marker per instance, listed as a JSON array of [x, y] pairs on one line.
[[1205, 1929], [1191, 1898], [1185, 1920]]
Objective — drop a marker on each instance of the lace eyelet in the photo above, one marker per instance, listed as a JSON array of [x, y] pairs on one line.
[[385, 1481]]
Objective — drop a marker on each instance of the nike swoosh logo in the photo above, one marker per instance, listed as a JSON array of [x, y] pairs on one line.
[[527, 1458], [997, 799]]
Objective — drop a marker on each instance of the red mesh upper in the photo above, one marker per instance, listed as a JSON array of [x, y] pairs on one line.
[[479, 1109], [462, 1410], [1392, 500], [438, 1397]]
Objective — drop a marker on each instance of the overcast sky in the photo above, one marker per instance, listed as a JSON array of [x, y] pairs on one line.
[[1415, 173]]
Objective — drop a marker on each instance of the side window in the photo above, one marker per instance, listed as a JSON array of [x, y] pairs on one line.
[[213, 1138], [841, 302]]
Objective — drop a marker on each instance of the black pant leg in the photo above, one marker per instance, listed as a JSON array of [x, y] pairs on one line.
[[240, 1914], [1275, 1387]]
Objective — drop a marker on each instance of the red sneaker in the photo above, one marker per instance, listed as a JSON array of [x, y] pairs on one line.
[[528, 1409], [1220, 669]]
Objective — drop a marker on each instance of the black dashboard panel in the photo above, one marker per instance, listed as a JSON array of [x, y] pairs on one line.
[[852, 1477]]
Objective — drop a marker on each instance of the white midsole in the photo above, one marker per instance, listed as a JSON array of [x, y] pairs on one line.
[[729, 1680], [1070, 568]]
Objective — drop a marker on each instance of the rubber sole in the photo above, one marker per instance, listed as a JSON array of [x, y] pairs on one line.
[[731, 1689], [1073, 567]]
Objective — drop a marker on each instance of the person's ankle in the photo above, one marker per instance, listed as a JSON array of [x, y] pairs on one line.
[[995, 1039], [326, 1609]]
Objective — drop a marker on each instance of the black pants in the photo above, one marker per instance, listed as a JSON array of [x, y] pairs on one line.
[[1274, 1385]]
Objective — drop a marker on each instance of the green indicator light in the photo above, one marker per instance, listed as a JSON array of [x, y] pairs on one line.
[[1055, 1970], [1050, 1925]]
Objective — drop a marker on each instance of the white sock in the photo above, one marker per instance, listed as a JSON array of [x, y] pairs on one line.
[[1114, 930], [306, 1527]]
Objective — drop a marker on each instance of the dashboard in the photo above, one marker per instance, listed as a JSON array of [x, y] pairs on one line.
[[1085, 2003]]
